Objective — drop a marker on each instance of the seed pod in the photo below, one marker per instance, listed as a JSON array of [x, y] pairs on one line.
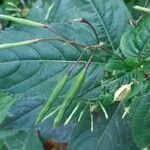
[[146, 10], [22, 21], [22, 43], [122, 93], [52, 98], [69, 96]]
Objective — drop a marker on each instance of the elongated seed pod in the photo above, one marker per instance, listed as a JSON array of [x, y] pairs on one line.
[[21, 21], [22, 43], [72, 93], [52, 98], [69, 96], [146, 10]]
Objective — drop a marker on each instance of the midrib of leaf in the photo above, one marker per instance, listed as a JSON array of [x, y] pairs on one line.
[[105, 130], [101, 20]]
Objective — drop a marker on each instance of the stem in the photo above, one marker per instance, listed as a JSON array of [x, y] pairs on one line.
[[82, 20], [92, 122], [104, 110], [81, 113], [63, 38], [71, 115], [51, 113], [70, 71], [89, 61]]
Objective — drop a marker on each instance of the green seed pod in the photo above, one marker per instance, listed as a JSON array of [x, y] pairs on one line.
[[52, 98], [18, 44], [69, 96], [22, 21], [146, 10]]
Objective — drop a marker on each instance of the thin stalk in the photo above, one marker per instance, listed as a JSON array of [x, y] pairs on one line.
[[92, 122], [104, 110], [81, 113], [51, 113], [82, 20], [71, 115]]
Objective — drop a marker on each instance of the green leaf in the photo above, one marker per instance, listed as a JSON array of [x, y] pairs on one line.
[[135, 44], [24, 140], [6, 102], [140, 120], [22, 116], [33, 71], [112, 134], [109, 18]]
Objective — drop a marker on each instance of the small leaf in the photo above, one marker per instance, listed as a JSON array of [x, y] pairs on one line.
[[136, 44]]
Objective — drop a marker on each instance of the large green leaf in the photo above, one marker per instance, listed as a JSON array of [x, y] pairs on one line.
[[112, 134], [136, 43], [140, 120], [33, 71]]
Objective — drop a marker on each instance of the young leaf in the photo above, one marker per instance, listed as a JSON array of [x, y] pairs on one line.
[[136, 44]]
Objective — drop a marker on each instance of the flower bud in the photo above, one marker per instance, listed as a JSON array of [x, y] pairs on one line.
[[122, 93]]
